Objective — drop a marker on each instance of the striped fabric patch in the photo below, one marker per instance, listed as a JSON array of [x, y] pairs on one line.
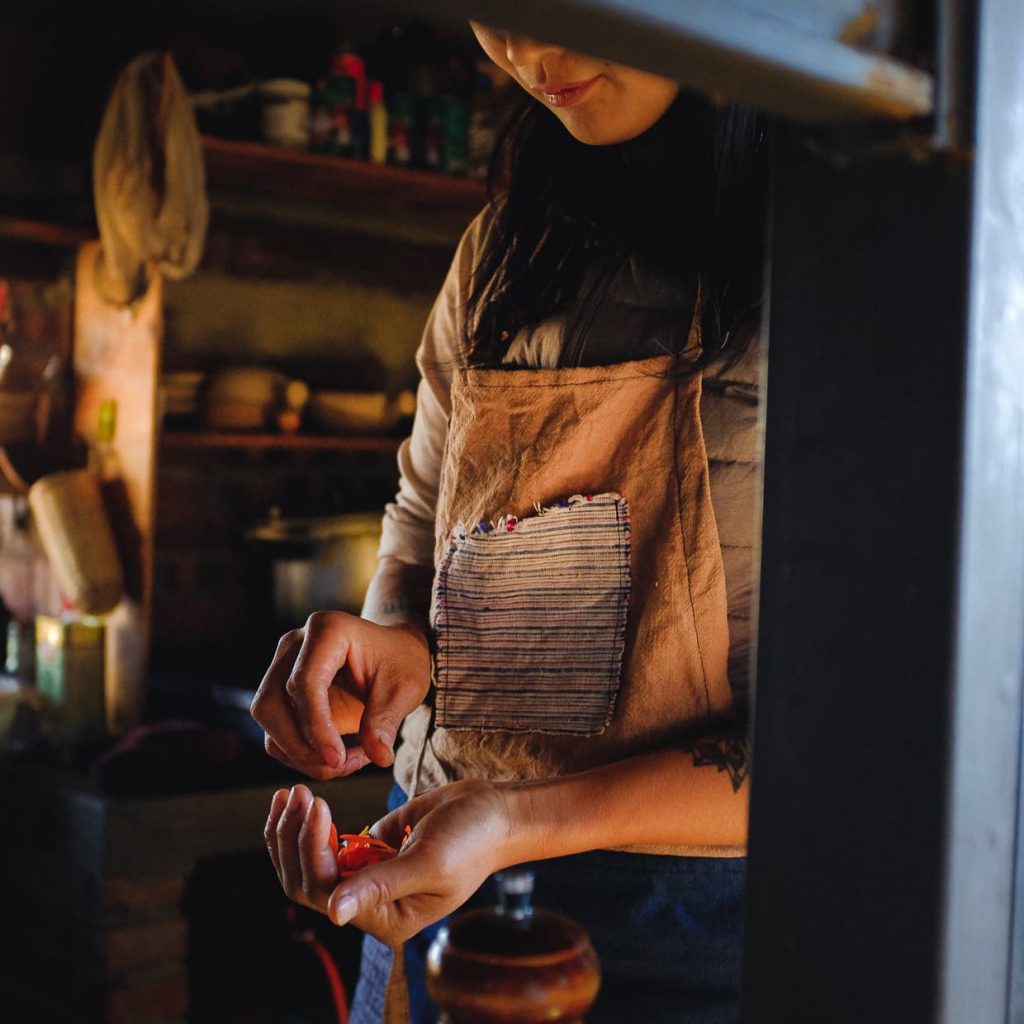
[[530, 619]]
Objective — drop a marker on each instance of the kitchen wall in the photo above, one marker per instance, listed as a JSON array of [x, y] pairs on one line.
[[216, 317], [346, 280]]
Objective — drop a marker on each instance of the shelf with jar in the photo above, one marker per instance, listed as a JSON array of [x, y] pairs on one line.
[[406, 125]]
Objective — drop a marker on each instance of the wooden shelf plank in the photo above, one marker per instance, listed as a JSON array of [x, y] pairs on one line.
[[254, 167], [186, 439], [45, 233]]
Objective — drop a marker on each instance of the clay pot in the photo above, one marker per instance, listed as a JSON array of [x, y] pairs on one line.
[[512, 964]]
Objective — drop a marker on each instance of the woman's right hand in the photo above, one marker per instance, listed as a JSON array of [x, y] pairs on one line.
[[341, 674]]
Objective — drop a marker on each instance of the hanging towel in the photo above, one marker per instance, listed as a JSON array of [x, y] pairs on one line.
[[148, 180]]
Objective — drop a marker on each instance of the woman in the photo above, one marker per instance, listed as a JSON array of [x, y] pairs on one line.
[[581, 475]]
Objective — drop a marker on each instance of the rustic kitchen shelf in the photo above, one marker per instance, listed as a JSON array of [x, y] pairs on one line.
[[256, 168], [189, 439], [45, 233]]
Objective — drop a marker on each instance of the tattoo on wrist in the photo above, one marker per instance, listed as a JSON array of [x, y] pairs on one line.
[[730, 754]]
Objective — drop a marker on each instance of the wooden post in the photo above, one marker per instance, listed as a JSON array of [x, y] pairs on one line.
[[117, 355]]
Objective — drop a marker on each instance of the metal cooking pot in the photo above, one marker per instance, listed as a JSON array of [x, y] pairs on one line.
[[320, 564]]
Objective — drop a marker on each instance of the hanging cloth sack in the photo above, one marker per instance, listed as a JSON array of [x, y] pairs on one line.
[[149, 180]]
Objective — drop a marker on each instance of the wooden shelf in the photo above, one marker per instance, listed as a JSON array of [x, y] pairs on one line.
[[44, 233], [256, 168], [188, 440]]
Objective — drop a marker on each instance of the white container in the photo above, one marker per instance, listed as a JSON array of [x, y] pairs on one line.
[[286, 112]]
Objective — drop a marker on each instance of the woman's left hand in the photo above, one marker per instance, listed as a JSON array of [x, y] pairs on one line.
[[461, 833]]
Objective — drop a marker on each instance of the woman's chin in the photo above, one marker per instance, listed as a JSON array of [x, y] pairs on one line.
[[596, 128], [591, 131]]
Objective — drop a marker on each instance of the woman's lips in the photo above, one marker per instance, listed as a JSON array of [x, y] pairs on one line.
[[560, 94]]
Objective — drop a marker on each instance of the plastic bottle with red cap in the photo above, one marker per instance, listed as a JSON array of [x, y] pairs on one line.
[[349, 65]]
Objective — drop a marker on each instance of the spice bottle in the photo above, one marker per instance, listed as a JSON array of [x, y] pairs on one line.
[[348, 64], [378, 118], [343, 103], [321, 122], [512, 963], [400, 130], [433, 134]]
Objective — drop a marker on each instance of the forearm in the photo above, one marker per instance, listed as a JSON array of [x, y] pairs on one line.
[[399, 595], [462, 832], [696, 795]]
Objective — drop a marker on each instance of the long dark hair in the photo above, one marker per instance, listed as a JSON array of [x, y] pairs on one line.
[[687, 197]]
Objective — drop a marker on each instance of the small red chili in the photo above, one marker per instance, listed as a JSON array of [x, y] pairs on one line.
[[355, 852]]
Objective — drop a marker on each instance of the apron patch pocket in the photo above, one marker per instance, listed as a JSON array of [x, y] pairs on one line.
[[530, 620]]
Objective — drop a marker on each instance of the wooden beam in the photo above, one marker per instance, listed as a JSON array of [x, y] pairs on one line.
[[117, 356]]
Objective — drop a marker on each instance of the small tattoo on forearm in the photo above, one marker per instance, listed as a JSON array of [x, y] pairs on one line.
[[730, 754]]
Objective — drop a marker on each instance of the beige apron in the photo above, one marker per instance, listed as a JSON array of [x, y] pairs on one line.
[[519, 442], [524, 440]]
